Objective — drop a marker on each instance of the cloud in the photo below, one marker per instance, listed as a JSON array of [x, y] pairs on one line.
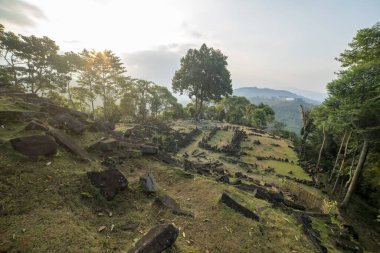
[[71, 41], [190, 31], [158, 64], [20, 13]]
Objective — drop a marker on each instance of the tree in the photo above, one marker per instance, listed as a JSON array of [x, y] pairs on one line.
[[108, 73], [160, 99], [68, 67], [87, 79], [10, 47], [353, 105], [307, 127], [203, 75], [40, 58]]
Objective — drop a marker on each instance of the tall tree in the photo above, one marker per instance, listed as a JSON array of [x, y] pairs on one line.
[[109, 79], [87, 79], [355, 95], [203, 75], [68, 68], [40, 57]]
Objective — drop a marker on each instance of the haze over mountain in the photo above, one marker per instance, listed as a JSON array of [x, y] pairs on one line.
[[271, 93], [284, 103]]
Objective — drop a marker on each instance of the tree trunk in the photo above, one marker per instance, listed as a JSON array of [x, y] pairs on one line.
[[358, 172], [69, 93], [352, 165], [342, 163], [200, 109], [307, 126], [322, 146], [337, 157]]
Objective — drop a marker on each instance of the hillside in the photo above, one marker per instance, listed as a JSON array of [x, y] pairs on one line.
[[224, 188], [270, 93], [285, 104]]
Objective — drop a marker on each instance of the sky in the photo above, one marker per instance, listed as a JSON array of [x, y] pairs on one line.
[[280, 44]]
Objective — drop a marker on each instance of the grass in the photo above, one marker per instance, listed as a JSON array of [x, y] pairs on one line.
[[54, 208], [284, 168], [221, 138]]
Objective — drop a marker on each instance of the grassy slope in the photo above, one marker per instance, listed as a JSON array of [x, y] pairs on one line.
[[54, 208]]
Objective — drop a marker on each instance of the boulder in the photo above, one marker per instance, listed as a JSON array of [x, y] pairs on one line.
[[102, 126], [111, 163], [231, 203], [224, 179], [67, 142], [164, 157], [262, 193], [18, 116], [35, 145], [34, 125], [311, 234], [110, 182], [345, 243], [157, 239], [129, 227], [74, 125], [106, 145], [148, 150], [294, 205], [148, 183], [167, 202], [54, 109]]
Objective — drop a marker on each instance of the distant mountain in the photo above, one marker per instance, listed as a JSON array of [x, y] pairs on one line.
[[285, 104], [318, 96], [270, 93]]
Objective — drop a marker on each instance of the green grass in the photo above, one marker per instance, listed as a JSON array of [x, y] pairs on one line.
[[283, 168], [54, 208], [221, 138]]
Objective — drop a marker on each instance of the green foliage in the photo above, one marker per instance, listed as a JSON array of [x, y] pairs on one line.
[[353, 104], [143, 99], [364, 48], [238, 110], [203, 75]]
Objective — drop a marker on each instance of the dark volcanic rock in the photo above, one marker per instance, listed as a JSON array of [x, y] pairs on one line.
[[34, 125], [54, 109], [110, 182], [148, 150], [167, 202], [35, 145], [129, 227], [311, 234], [102, 126], [346, 244], [67, 142], [156, 240], [105, 145], [66, 120], [294, 205], [17, 116], [148, 183], [230, 202], [224, 179], [164, 157], [262, 193]]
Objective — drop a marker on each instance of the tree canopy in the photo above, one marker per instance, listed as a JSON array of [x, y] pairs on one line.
[[203, 75]]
